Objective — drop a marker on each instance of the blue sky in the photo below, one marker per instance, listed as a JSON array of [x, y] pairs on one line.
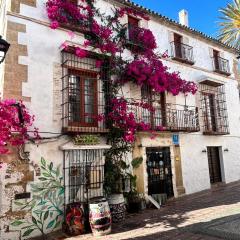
[[203, 14]]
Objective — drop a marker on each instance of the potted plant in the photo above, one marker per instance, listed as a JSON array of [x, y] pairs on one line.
[[86, 140], [134, 201], [114, 172]]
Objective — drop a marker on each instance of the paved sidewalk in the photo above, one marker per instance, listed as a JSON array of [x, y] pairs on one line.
[[209, 215]]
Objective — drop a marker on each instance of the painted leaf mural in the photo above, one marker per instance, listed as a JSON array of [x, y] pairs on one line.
[[46, 205]]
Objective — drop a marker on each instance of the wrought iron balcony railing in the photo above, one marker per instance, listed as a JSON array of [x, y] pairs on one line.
[[171, 117], [221, 65], [182, 52], [175, 118], [86, 98]]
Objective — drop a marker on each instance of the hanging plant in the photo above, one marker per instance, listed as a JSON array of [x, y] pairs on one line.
[[86, 140], [15, 124], [152, 73], [65, 12]]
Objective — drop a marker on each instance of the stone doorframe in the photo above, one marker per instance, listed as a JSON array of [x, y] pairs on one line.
[[142, 142]]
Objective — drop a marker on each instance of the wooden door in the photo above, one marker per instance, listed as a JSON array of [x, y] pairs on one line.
[[214, 164]]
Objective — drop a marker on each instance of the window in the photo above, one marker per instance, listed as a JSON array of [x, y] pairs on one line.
[[83, 97], [214, 110], [157, 101], [83, 174], [177, 44], [85, 93], [221, 65], [215, 59], [133, 25], [180, 51]]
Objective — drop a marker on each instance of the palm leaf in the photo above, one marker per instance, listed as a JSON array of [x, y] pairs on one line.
[[230, 24]]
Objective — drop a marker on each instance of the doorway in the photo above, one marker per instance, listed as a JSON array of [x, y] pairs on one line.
[[159, 171], [214, 164]]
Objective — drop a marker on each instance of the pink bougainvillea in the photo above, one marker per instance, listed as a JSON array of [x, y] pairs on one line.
[[153, 73], [132, 11], [143, 37], [15, 122], [81, 53], [60, 12], [125, 119]]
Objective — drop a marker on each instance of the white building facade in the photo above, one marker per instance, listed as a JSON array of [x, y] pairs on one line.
[[199, 147]]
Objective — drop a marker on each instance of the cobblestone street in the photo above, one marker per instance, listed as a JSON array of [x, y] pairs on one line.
[[185, 218]]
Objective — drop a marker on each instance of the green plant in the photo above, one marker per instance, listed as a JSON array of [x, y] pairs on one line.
[[230, 25], [86, 139], [136, 162], [46, 205], [115, 165]]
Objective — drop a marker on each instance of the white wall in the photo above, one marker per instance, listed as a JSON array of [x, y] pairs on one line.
[[195, 162]]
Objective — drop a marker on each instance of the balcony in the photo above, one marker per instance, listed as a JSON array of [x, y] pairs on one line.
[[182, 53], [172, 117], [221, 66]]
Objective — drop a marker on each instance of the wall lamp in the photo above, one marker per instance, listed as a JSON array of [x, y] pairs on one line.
[[4, 46], [204, 151], [226, 150]]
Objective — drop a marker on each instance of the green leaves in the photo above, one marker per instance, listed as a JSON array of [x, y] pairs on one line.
[[50, 224], [28, 232], [43, 162], [17, 223], [34, 220], [136, 162], [45, 215], [230, 24], [47, 201]]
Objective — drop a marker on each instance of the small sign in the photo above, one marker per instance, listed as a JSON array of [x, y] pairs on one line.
[[24, 195], [175, 139]]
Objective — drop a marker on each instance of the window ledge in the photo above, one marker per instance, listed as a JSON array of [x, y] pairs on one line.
[[183, 60], [71, 146], [222, 72]]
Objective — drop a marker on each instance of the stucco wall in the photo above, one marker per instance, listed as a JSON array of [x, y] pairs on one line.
[[195, 162]]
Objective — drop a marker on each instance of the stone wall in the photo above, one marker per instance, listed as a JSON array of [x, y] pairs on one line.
[[15, 4], [15, 73]]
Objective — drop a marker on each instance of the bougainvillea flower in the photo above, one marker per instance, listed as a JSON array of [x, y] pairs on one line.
[[81, 53]]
